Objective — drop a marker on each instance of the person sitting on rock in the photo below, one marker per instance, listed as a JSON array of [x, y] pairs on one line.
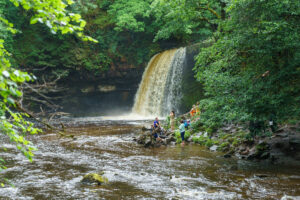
[[156, 123]]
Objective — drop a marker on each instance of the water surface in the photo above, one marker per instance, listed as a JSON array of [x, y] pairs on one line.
[[174, 172]]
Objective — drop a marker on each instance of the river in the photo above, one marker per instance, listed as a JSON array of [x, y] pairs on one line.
[[134, 172]]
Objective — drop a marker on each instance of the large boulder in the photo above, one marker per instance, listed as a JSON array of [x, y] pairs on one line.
[[94, 179]]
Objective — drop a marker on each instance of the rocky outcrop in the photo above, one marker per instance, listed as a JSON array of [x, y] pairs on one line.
[[233, 140], [147, 139], [282, 145]]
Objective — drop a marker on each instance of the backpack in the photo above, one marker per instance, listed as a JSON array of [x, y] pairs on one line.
[[186, 124]]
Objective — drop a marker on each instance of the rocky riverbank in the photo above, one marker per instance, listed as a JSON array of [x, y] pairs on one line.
[[280, 147]]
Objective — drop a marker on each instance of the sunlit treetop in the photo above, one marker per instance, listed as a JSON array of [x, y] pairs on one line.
[[53, 13]]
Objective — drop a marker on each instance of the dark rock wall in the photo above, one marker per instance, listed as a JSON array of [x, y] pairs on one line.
[[103, 95], [192, 89]]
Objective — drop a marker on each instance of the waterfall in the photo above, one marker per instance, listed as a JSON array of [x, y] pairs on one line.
[[173, 88], [160, 89]]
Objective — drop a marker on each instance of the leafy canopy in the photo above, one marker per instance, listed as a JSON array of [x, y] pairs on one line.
[[251, 70], [13, 123]]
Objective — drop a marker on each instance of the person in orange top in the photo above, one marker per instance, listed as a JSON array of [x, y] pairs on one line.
[[193, 111]]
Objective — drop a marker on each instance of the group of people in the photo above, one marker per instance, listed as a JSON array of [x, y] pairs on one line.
[[157, 130]]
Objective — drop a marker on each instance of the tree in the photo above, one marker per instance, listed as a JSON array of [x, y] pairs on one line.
[[251, 69], [13, 123], [186, 18]]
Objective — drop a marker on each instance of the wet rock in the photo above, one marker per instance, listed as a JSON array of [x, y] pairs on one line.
[[262, 175], [228, 128], [94, 178], [148, 141], [106, 88], [233, 130], [251, 153], [295, 141], [157, 144], [213, 148], [145, 129], [170, 139], [198, 134], [141, 139], [233, 168], [282, 135], [244, 151], [227, 155], [164, 141], [265, 155]]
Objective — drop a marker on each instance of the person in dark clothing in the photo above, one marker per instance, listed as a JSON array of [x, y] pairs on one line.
[[156, 128]]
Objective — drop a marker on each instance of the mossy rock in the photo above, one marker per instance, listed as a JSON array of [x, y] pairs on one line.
[[209, 143], [94, 178], [262, 147], [230, 139], [226, 136], [236, 142], [224, 146]]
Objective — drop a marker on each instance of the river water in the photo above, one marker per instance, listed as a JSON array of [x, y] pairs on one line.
[[134, 172]]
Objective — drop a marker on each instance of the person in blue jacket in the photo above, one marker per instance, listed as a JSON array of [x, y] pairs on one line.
[[182, 130], [156, 127]]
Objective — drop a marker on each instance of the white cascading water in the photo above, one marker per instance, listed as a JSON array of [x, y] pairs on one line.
[[173, 91], [160, 89]]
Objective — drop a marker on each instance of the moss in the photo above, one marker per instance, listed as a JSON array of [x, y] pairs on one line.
[[261, 147], [224, 146], [230, 139], [216, 142], [94, 178], [236, 142], [200, 140], [209, 130], [242, 134], [225, 136]]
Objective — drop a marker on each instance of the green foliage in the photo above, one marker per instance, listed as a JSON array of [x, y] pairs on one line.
[[130, 14], [178, 136], [13, 124], [224, 146], [183, 18], [16, 126], [187, 134], [251, 71], [55, 16]]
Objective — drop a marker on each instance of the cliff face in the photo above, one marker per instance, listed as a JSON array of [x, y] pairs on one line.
[[192, 89], [110, 93]]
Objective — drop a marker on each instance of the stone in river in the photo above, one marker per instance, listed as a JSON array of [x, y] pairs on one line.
[[94, 178], [213, 148]]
